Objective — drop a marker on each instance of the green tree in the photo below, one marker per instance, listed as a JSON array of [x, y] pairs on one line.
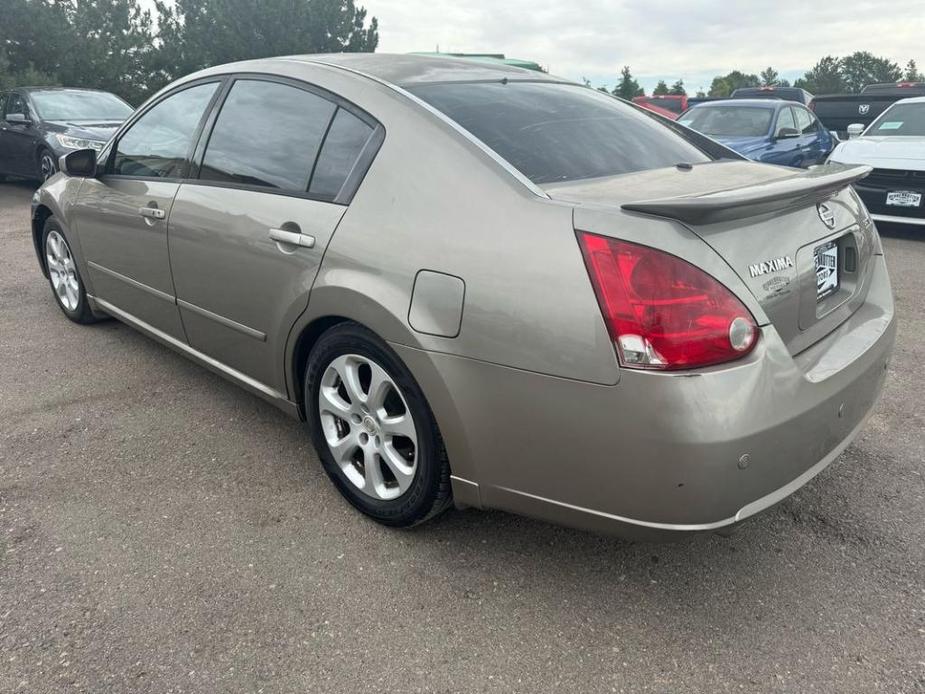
[[197, 33], [769, 77], [824, 78], [661, 89], [627, 87], [724, 85], [912, 74], [678, 88], [862, 68]]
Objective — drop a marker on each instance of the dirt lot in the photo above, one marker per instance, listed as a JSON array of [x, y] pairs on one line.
[[163, 531]]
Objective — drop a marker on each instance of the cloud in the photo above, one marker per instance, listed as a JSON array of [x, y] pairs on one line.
[[659, 39]]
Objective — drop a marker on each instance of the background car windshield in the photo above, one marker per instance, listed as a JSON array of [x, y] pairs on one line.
[[560, 132], [729, 121], [904, 120], [80, 105]]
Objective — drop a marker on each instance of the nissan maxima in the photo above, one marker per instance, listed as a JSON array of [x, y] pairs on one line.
[[487, 287]]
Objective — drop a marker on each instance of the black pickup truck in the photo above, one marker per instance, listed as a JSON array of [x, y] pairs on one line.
[[838, 111]]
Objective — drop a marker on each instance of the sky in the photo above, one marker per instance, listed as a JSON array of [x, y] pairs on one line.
[[693, 40]]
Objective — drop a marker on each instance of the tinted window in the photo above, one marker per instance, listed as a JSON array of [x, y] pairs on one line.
[[267, 134], [158, 143], [342, 146], [15, 104], [785, 120], [729, 121], [806, 123], [560, 132], [79, 105], [901, 120]]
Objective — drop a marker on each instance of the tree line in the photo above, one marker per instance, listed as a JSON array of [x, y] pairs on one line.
[[830, 75], [118, 46]]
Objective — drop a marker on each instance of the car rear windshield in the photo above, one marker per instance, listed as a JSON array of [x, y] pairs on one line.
[[903, 120], [560, 132], [80, 105], [729, 121]]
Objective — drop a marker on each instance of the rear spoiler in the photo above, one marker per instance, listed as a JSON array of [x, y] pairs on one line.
[[801, 190]]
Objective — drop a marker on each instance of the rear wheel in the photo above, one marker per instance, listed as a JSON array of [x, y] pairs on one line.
[[373, 429], [63, 275]]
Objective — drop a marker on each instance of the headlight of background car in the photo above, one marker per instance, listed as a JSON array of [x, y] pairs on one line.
[[79, 143]]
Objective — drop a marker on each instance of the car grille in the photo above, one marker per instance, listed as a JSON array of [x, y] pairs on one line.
[[873, 191]]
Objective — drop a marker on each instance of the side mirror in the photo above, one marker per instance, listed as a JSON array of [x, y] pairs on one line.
[[17, 119], [835, 135], [787, 133], [855, 130], [80, 162]]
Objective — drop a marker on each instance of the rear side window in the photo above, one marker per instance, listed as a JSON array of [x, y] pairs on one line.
[[560, 132], [345, 141], [267, 134], [158, 144]]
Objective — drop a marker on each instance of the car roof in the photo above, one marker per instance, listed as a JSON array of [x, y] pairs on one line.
[[405, 70]]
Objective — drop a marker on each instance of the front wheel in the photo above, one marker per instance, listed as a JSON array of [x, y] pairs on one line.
[[48, 166], [64, 276], [373, 429]]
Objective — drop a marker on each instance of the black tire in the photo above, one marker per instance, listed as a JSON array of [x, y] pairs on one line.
[[52, 164], [429, 493], [81, 312]]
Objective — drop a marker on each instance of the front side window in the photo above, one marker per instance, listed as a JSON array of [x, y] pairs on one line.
[[267, 134], [560, 132], [158, 144], [785, 120], [729, 121], [901, 120], [806, 123], [15, 104]]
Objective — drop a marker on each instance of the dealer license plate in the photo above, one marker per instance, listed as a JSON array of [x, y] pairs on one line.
[[826, 269], [903, 198]]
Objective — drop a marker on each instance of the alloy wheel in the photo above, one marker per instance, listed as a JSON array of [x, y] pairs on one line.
[[62, 270], [48, 167], [368, 426]]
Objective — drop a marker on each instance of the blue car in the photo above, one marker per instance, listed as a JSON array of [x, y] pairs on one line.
[[773, 132]]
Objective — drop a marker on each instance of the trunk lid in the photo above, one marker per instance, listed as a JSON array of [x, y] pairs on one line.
[[782, 231]]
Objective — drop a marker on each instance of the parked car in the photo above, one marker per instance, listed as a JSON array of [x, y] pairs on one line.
[[484, 285], [39, 124], [801, 96], [773, 132], [668, 105], [839, 111], [894, 145]]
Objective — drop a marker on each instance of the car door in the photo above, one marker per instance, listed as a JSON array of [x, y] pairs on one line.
[[247, 237], [17, 140], [122, 215], [809, 136]]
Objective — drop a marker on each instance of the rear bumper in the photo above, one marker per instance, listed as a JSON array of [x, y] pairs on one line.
[[661, 453]]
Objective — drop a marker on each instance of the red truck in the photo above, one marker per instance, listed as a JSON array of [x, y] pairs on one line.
[[668, 105]]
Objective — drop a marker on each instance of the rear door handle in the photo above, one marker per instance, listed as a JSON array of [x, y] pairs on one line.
[[152, 213], [293, 238]]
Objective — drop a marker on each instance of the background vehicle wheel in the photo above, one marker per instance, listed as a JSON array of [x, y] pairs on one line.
[[63, 275], [373, 429], [48, 165]]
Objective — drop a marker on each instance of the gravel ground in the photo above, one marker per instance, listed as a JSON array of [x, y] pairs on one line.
[[163, 531]]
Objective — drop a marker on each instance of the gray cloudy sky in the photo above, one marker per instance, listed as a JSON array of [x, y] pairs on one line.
[[659, 39]]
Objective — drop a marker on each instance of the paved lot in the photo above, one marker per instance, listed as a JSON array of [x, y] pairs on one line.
[[163, 531]]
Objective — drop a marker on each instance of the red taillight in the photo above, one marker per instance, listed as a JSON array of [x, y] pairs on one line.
[[661, 311]]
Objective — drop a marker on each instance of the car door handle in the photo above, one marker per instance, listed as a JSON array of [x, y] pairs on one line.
[[293, 238], [152, 213]]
